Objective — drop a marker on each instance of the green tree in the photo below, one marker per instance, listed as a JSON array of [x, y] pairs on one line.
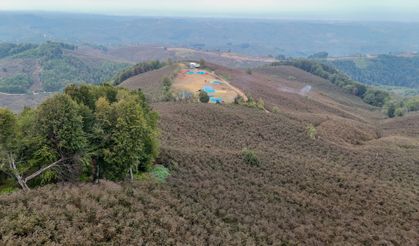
[[89, 131], [376, 97], [203, 97], [391, 110], [311, 131], [399, 112], [167, 85], [123, 138], [260, 104], [52, 134]]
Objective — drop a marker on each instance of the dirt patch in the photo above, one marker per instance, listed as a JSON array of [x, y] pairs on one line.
[[195, 80]]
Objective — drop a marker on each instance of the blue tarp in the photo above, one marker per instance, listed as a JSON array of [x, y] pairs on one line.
[[216, 82], [216, 100], [198, 72], [208, 89]]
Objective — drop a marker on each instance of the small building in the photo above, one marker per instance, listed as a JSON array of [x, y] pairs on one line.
[[194, 65]]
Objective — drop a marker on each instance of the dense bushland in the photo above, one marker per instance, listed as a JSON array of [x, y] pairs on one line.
[[382, 70], [370, 95], [85, 133], [17, 84], [58, 66], [136, 70]]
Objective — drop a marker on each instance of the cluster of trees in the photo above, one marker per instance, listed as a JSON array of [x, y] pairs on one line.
[[399, 108], [384, 70], [10, 49], [57, 73], [251, 102], [370, 95], [319, 55], [59, 68], [167, 89], [136, 70], [86, 133], [48, 50], [17, 84]]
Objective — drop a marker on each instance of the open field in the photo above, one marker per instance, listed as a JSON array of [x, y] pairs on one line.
[[195, 80], [142, 53]]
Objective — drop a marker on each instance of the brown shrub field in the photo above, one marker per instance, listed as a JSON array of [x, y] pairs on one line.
[[355, 183]]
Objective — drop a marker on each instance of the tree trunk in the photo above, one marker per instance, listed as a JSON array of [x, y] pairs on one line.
[[131, 175], [19, 178], [23, 181]]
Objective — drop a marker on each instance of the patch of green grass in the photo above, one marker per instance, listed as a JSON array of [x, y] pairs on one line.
[[7, 190], [311, 131], [142, 176], [160, 173], [250, 158]]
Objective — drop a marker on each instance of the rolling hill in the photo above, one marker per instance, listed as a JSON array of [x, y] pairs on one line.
[[251, 37], [354, 181], [28, 72], [388, 70], [29, 68]]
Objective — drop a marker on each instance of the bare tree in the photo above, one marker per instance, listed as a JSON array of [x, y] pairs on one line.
[[24, 180]]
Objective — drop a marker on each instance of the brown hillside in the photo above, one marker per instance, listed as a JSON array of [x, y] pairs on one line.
[[151, 83], [356, 183]]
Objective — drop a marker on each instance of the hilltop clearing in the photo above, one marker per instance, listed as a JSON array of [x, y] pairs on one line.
[[193, 81]]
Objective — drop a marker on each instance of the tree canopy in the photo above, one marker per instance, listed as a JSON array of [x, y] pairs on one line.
[[88, 132]]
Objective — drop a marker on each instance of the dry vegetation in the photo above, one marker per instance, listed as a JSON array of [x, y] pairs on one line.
[[18, 102], [151, 83], [356, 183]]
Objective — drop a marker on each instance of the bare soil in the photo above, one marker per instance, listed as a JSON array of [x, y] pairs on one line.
[[195, 82]]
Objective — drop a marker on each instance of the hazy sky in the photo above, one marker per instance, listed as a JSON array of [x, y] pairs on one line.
[[381, 9]]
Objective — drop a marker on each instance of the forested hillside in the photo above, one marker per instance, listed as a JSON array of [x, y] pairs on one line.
[[382, 70], [252, 37], [50, 67], [369, 95]]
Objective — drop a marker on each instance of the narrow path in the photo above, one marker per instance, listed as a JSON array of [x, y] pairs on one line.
[[238, 91], [36, 77]]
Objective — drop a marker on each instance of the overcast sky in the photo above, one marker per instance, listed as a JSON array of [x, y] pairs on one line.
[[353, 9]]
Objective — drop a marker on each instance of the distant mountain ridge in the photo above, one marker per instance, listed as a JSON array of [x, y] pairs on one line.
[[251, 37]]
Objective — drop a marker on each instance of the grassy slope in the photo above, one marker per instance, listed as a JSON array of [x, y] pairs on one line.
[[151, 83], [357, 183]]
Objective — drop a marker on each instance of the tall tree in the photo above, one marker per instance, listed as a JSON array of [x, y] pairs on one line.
[[34, 143]]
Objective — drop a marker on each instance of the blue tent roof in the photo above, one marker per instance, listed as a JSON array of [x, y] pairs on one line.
[[216, 82], [216, 100], [208, 89]]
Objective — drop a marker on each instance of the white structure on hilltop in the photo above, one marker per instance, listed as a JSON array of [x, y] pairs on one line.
[[193, 65]]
